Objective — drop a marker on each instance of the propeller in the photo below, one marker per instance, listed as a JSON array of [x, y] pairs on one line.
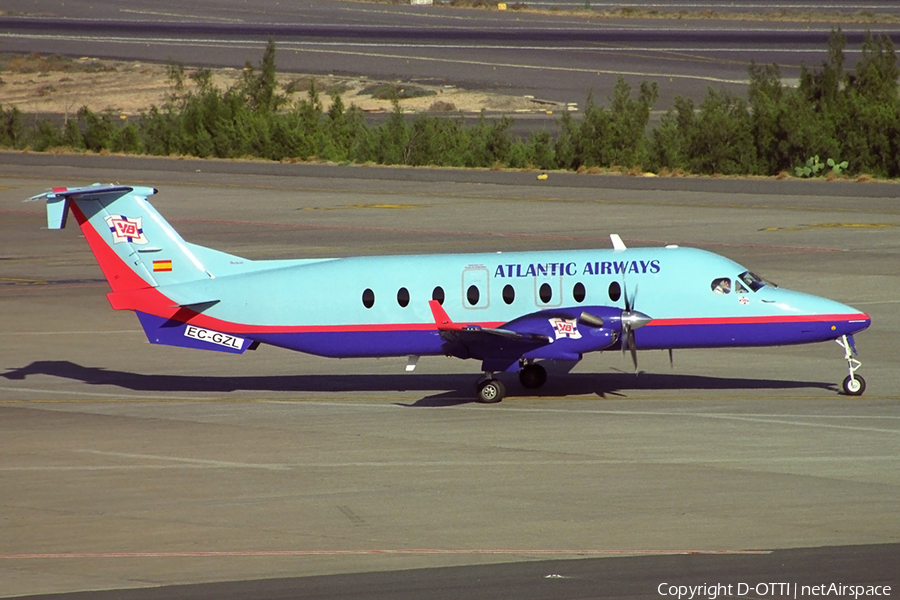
[[631, 320]]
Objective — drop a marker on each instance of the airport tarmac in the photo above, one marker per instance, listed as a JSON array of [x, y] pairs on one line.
[[127, 465]]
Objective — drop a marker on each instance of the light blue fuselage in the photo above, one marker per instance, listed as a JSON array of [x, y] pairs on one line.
[[317, 306], [501, 308]]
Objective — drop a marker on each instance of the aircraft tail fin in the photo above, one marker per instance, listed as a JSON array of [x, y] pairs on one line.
[[135, 246]]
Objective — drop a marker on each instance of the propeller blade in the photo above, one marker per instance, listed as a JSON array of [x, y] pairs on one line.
[[633, 350], [625, 295], [671, 360], [631, 320]]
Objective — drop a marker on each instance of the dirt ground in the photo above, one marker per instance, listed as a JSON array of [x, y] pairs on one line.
[[57, 85]]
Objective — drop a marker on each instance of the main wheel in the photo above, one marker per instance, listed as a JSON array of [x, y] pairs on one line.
[[533, 376], [854, 385], [491, 391]]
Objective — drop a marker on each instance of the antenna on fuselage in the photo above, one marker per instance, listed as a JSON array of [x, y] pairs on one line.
[[617, 242]]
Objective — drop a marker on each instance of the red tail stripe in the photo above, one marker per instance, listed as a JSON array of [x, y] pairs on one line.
[[119, 275]]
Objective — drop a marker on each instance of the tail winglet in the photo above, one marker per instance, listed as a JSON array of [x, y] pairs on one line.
[[58, 200]]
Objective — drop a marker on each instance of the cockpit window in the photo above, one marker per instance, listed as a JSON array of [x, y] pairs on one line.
[[721, 285], [738, 287], [754, 281]]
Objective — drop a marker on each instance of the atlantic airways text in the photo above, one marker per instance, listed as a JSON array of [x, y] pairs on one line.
[[554, 269]]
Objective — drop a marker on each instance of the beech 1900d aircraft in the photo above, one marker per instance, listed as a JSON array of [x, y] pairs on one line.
[[505, 309]]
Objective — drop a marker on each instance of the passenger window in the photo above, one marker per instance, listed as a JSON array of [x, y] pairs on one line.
[[578, 292], [509, 294], [615, 291], [473, 295], [546, 293], [368, 298], [722, 285], [438, 294], [403, 297]]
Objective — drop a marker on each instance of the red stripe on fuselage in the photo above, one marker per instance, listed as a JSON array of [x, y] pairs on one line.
[[757, 320]]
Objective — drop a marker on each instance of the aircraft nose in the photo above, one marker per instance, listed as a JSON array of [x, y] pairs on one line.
[[846, 320], [828, 318], [857, 322]]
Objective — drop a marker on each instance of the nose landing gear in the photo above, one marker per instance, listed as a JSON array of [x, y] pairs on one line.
[[853, 384]]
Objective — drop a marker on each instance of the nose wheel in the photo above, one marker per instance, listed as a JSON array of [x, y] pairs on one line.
[[853, 384]]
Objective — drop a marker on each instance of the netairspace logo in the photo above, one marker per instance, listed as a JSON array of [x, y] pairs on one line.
[[772, 589]]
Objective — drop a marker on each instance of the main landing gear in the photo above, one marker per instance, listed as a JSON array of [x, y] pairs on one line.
[[491, 390], [853, 384], [532, 375]]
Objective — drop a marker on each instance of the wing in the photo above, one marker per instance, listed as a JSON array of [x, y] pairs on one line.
[[475, 332], [563, 334]]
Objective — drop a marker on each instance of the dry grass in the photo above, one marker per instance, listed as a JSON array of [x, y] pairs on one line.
[[34, 83], [52, 63]]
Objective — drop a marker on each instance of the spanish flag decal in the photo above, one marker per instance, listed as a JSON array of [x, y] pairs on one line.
[[162, 265]]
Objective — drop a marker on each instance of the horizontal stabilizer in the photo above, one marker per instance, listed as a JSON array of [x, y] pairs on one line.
[[150, 300], [97, 188], [58, 200], [146, 299], [199, 307]]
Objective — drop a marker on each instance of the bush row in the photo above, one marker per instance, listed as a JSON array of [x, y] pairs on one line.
[[849, 118]]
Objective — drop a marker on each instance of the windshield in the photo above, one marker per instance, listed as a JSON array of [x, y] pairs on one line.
[[754, 281]]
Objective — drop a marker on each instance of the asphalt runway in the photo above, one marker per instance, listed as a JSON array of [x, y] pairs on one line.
[[127, 466], [560, 58]]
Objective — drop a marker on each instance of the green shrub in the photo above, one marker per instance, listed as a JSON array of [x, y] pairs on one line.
[[832, 112], [12, 129]]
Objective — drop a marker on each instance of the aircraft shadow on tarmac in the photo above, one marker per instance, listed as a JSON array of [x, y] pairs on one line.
[[459, 388]]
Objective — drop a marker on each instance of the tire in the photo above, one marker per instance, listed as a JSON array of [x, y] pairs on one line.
[[491, 391], [532, 376], [854, 386]]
